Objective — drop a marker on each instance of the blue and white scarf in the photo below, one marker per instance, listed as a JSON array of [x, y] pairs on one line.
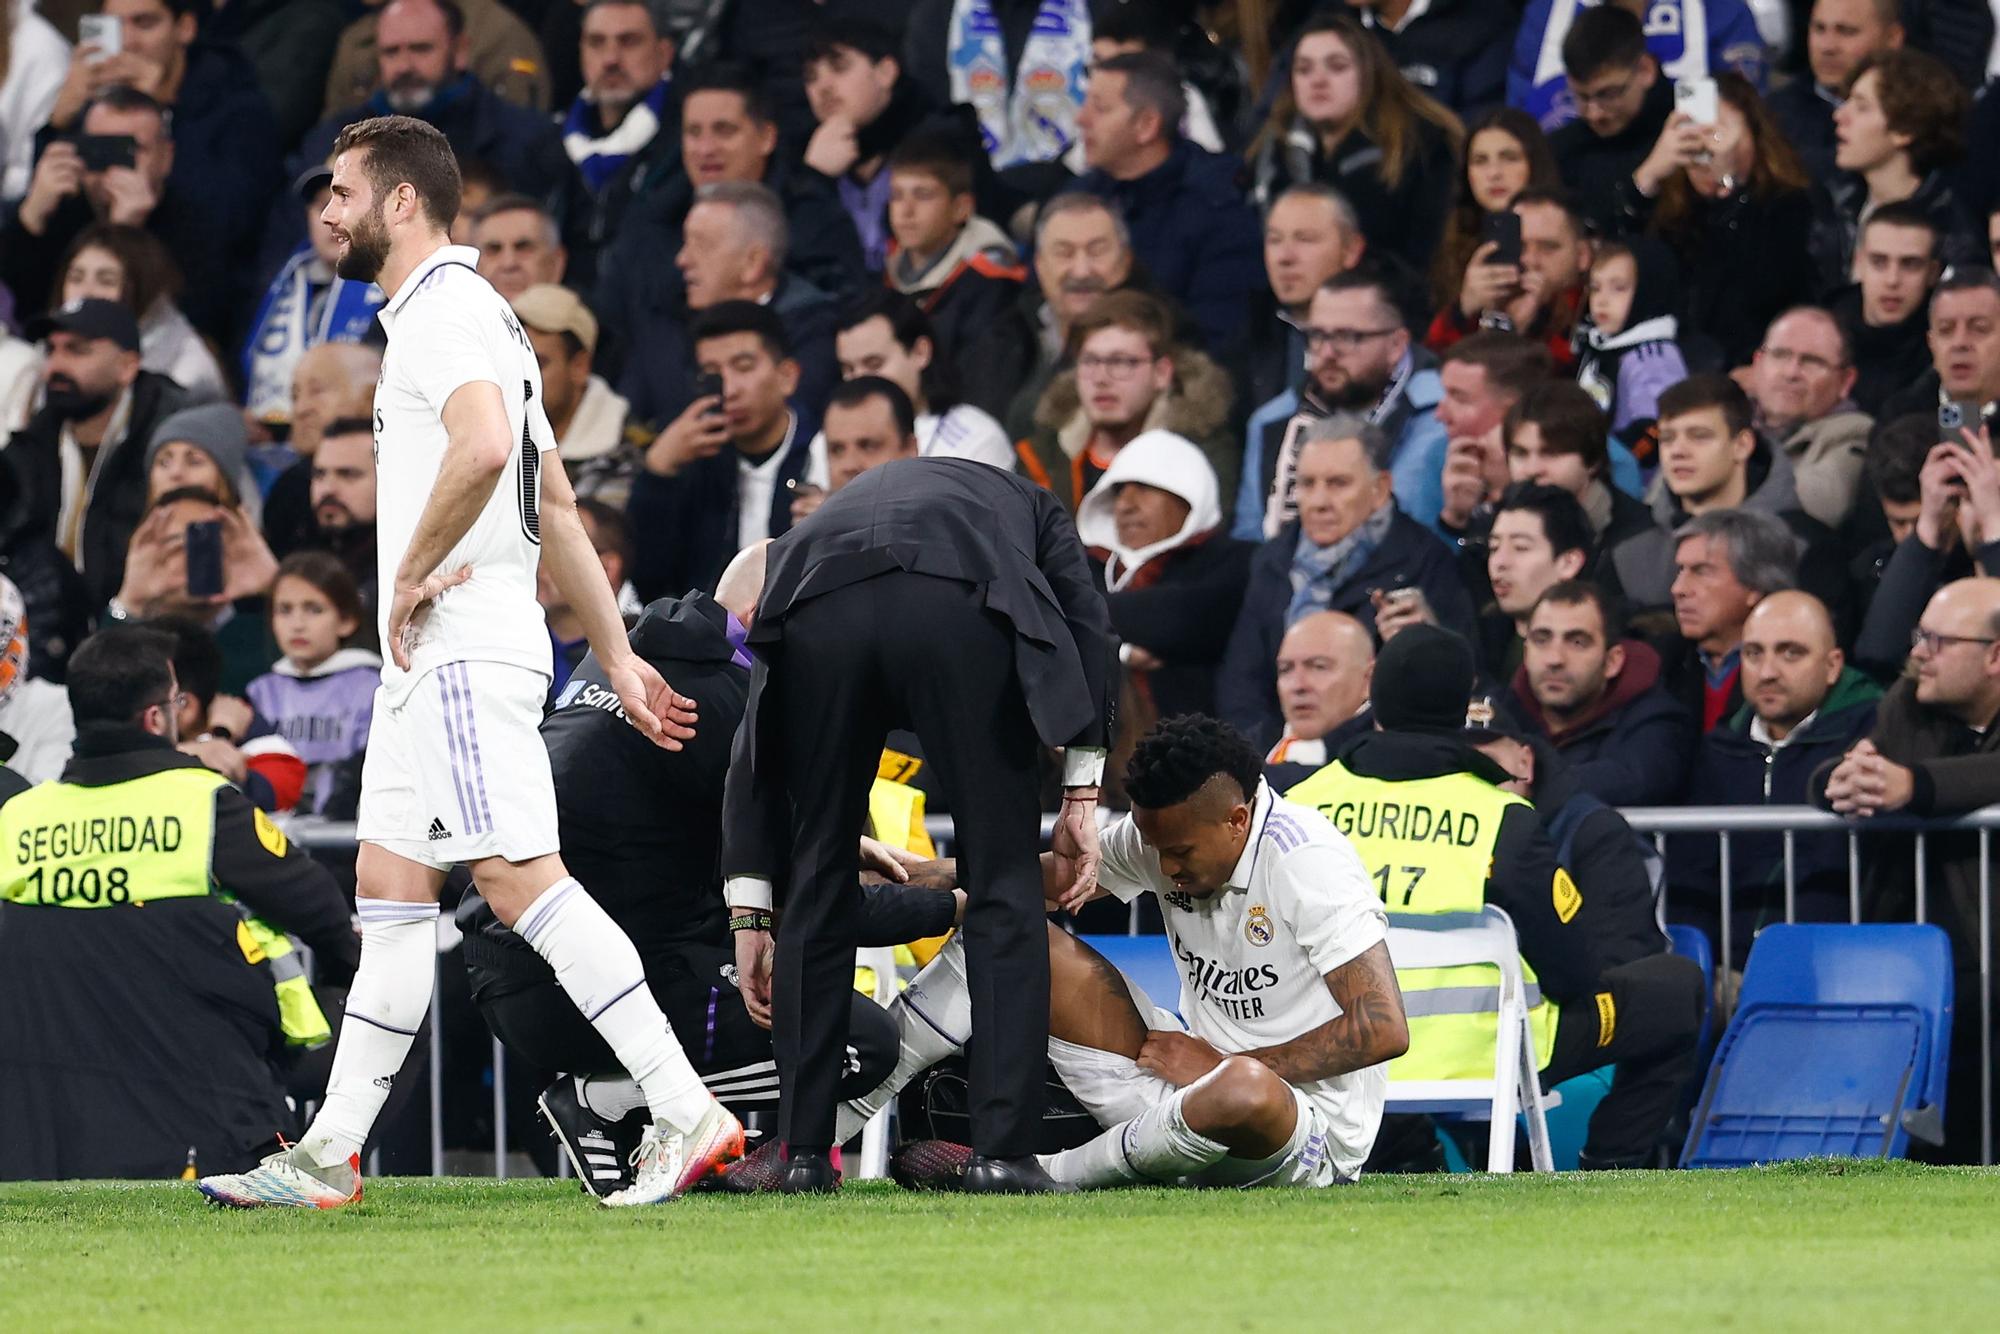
[[302, 308], [1317, 572], [1034, 118], [602, 157]]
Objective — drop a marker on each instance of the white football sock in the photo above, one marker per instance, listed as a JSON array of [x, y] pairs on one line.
[[933, 1019], [385, 1007], [1155, 1146], [596, 964], [613, 1097]]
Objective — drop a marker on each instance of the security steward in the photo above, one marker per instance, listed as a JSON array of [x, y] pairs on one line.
[[642, 827], [153, 1000], [1439, 833]]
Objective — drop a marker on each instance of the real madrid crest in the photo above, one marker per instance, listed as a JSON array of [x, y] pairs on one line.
[[1257, 926]]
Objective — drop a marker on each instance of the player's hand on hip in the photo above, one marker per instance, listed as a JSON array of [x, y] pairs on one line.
[[655, 708], [1074, 842], [412, 605], [753, 974], [1178, 1058]]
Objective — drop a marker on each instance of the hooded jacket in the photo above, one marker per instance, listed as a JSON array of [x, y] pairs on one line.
[[1410, 556], [1735, 769], [1176, 598], [1626, 371], [1195, 406], [968, 290], [1633, 747]]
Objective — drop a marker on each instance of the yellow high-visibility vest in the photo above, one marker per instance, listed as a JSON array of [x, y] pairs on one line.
[[1428, 845], [145, 840]]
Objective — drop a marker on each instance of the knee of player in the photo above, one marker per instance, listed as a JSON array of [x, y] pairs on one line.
[[1241, 1091]]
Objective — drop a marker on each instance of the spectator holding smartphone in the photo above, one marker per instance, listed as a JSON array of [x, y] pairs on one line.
[[195, 556], [1527, 279]]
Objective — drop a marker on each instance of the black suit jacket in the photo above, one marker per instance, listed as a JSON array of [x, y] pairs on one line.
[[954, 519]]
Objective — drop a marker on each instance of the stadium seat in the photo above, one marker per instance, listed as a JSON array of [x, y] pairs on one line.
[[1690, 943], [1455, 940], [1147, 960], [1838, 1048]]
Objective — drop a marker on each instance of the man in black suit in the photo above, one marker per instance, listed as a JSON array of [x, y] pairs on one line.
[[953, 598]]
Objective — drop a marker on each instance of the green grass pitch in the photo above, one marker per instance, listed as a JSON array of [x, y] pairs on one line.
[[1815, 1246]]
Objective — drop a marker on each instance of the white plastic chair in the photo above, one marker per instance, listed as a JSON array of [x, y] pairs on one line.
[[874, 1163], [1451, 941]]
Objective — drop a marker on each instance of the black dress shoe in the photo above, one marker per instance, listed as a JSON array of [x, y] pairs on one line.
[[1010, 1176], [809, 1174]]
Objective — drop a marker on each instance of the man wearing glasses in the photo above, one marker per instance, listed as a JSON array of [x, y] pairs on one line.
[[160, 1036], [1935, 752], [1622, 104], [1799, 384], [1360, 359]]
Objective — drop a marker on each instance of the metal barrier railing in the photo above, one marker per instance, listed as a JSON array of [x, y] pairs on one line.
[[1658, 821]]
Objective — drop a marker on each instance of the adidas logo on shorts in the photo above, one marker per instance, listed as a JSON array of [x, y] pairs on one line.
[[438, 830]]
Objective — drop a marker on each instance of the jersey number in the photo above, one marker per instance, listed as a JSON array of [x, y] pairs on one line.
[[1412, 873], [531, 467]]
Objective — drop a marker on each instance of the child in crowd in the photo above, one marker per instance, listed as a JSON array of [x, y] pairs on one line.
[[1626, 353], [320, 696], [959, 267]]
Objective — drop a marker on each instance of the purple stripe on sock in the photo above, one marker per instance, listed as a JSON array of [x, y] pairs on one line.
[[451, 748], [533, 920], [708, 1042], [615, 999], [472, 734]]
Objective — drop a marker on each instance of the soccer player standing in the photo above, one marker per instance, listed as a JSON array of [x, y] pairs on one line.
[[473, 498]]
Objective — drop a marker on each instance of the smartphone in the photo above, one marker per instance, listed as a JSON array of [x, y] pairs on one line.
[[708, 386], [204, 558], [1956, 415], [1699, 99], [1503, 229], [103, 151], [106, 32]]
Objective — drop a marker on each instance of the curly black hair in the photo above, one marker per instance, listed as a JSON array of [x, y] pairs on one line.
[[1173, 761]]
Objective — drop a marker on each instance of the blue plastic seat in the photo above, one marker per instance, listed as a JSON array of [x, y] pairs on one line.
[[1838, 1048], [1690, 943], [1147, 960]]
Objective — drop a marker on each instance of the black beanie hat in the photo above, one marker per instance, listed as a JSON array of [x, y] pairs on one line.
[[1423, 678]]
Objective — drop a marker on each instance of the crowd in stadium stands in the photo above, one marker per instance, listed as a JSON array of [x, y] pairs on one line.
[[1652, 346]]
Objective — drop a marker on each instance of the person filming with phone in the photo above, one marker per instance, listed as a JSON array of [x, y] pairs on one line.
[[1526, 276], [723, 473]]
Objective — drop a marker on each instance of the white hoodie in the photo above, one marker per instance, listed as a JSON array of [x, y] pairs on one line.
[[1158, 459]]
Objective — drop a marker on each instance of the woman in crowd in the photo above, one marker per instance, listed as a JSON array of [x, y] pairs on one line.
[[130, 266], [1348, 118], [1731, 199], [1505, 153], [206, 447]]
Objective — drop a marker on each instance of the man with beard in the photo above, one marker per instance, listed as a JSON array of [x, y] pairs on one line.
[[332, 381], [343, 501], [81, 459], [422, 70], [473, 499], [1359, 359]]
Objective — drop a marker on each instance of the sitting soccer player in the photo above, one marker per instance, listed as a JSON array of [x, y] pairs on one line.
[[1290, 999], [643, 823]]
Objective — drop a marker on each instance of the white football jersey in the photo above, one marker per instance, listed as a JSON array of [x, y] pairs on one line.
[[448, 328], [1254, 957]]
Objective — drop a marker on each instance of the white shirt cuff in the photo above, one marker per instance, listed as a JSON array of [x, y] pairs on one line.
[[747, 891], [1083, 766]]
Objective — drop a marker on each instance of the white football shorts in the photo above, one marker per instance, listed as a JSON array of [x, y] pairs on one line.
[[458, 772]]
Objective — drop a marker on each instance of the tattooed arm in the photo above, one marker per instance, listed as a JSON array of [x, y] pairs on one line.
[[1370, 1028]]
